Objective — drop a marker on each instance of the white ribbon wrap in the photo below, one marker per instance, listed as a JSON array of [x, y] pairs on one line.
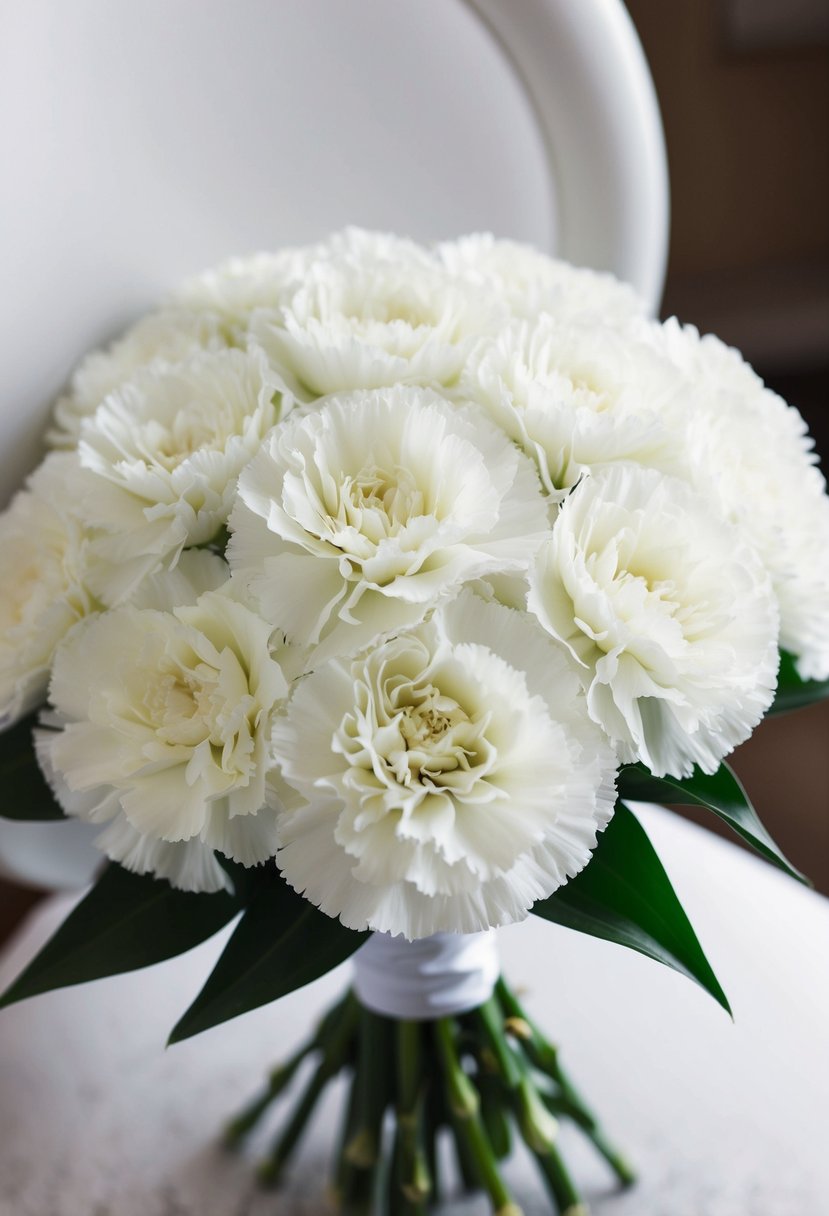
[[434, 977]]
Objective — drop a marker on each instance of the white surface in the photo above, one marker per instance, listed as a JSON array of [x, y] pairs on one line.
[[723, 1119], [434, 977], [49, 856]]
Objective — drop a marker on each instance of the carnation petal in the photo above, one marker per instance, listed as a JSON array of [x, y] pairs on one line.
[[670, 617], [164, 717], [438, 793], [355, 518]]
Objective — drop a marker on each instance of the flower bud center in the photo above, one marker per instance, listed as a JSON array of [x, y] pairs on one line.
[[379, 502]]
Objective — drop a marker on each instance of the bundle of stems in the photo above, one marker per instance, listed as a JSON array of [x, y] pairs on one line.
[[481, 1078]]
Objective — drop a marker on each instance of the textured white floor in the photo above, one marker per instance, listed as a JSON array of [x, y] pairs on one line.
[[97, 1119]]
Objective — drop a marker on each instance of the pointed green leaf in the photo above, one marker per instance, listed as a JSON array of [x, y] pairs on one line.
[[623, 895], [126, 921], [720, 792], [792, 691], [24, 791], [281, 943]]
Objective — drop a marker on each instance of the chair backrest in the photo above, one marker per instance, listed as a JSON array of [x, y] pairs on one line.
[[144, 141]]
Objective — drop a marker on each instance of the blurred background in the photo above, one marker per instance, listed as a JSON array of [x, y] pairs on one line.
[[744, 91]]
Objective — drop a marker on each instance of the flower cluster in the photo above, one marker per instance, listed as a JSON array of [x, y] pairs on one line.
[[379, 560]]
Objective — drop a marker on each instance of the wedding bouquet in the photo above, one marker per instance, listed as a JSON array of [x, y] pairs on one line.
[[361, 589]]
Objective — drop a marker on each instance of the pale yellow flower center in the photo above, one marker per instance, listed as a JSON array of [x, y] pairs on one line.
[[186, 433], [379, 502], [178, 704], [418, 739], [409, 309]]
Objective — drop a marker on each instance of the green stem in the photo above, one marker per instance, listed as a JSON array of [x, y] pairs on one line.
[[413, 1167], [359, 1196], [560, 1184], [474, 1074], [396, 1202], [335, 1046], [465, 1105], [431, 1135], [373, 1082], [281, 1077], [559, 1105], [491, 1021], [494, 1112], [401, 1200], [247, 1119], [344, 1169], [538, 1127], [544, 1057], [409, 1063], [463, 1155], [271, 1168], [362, 1168], [441, 1116]]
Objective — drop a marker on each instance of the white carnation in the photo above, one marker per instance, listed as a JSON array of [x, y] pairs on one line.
[[357, 516], [449, 777], [169, 336], [356, 325], [164, 721], [533, 283], [579, 397], [239, 286], [799, 565], [669, 614], [752, 453], [197, 571], [43, 589], [160, 458], [355, 247], [706, 359], [233, 290]]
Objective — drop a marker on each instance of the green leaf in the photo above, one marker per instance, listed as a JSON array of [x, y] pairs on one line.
[[281, 943], [792, 691], [24, 790], [720, 792], [126, 921], [623, 895]]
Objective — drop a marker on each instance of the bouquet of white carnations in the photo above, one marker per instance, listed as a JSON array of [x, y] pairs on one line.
[[361, 587]]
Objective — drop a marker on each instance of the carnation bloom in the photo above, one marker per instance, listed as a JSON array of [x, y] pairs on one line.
[[578, 397], [169, 336], [241, 286], [752, 453], [353, 246], [160, 458], [355, 517], [371, 324], [164, 720], [670, 616], [447, 777], [531, 282], [43, 589], [233, 290]]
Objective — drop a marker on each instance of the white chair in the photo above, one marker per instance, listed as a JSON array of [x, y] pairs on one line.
[[144, 141]]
